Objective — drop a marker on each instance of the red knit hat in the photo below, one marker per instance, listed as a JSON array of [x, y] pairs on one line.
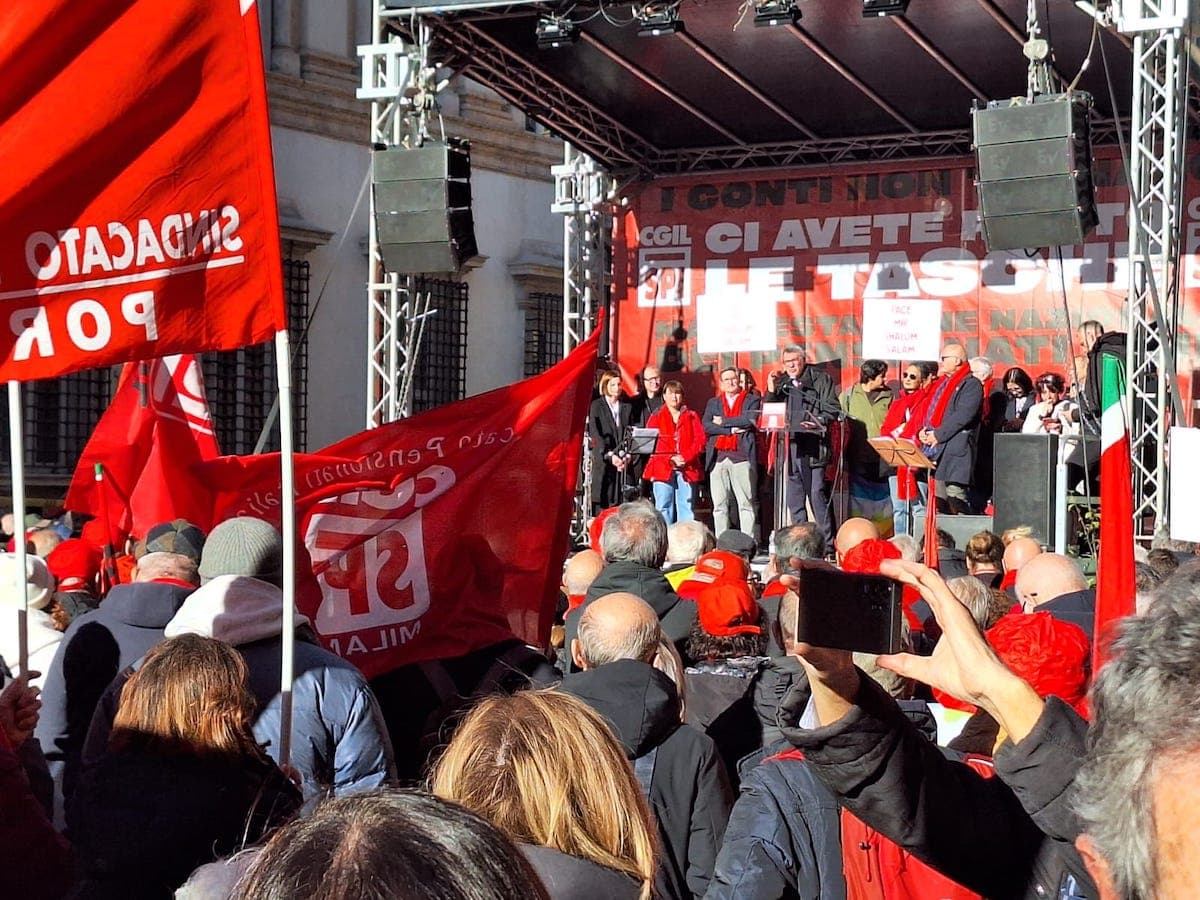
[[1052, 655], [714, 567], [75, 563], [728, 608]]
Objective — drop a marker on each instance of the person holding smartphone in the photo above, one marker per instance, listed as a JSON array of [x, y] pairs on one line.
[[1052, 413]]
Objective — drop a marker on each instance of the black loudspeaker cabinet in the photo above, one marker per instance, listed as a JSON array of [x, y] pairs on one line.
[[422, 198], [961, 528], [1025, 480], [1033, 166]]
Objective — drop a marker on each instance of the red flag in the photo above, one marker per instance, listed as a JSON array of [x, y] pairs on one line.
[[439, 534], [154, 431], [136, 185], [1116, 577]]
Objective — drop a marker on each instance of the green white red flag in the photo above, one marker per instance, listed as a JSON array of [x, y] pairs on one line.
[[1116, 587]]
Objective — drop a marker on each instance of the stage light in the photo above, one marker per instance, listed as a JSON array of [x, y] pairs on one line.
[[658, 19], [873, 8], [552, 33], [769, 13]]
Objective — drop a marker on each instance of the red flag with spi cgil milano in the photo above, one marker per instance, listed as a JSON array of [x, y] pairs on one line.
[[137, 194]]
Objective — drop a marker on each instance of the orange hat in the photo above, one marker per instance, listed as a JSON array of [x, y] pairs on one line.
[[728, 608]]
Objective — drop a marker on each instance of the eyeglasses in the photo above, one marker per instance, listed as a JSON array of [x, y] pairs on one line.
[[730, 378], [652, 378], [910, 376], [959, 358]]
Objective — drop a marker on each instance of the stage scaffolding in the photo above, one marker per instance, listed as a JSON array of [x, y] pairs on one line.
[[398, 81]]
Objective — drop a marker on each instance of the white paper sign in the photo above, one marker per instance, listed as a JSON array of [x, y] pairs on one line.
[[731, 321], [901, 329], [1185, 482]]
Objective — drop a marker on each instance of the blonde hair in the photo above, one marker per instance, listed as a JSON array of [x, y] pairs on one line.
[[606, 379], [189, 695], [543, 767], [1011, 534]]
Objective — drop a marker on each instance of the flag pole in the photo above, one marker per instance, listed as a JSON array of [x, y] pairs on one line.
[[17, 458], [109, 571], [287, 508]]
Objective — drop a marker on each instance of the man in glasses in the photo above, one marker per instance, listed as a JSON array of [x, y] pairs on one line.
[[951, 427], [645, 403]]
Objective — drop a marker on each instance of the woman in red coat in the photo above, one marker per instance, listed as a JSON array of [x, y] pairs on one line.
[[675, 464]]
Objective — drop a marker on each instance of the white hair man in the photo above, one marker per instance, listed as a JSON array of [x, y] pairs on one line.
[[634, 544], [678, 766]]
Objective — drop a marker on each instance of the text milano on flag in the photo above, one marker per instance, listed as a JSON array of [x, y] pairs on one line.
[[137, 197]]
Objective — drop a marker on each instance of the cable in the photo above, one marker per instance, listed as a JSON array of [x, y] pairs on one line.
[[1087, 59]]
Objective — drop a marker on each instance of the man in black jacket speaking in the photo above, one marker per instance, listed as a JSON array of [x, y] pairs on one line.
[[812, 407]]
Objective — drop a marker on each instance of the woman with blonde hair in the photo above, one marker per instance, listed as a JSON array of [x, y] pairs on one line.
[[545, 769], [182, 781]]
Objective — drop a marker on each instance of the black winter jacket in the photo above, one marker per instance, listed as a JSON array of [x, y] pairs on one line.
[[567, 877], [676, 616], [1006, 837], [689, 791]]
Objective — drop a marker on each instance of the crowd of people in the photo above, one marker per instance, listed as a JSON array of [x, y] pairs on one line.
[[675, 739], [951, 409]]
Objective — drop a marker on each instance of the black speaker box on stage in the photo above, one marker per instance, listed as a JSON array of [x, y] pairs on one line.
[[1025, 480], [423, 207], [961, 528], [1033, 164]]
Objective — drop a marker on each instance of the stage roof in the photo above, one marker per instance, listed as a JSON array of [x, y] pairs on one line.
[[834, 87]]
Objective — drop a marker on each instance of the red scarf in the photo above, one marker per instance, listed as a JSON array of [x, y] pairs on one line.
[[730, 441], [938, 410]]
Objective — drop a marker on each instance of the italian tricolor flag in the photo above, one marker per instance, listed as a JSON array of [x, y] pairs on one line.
[[1116, 586]]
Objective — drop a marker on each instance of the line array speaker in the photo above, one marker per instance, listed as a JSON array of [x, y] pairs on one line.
[[423, 207], [1033, 166]]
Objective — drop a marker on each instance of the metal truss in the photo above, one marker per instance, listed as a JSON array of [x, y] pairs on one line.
[[397, 80], [1159, 112], [583, 193]]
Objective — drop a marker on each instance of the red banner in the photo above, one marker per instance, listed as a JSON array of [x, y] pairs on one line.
[[137, 196], [152, 434], [722, 270], [435, 535]]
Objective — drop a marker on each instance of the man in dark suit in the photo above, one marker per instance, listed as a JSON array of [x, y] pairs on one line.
[[1055, 584], [811, 398], [951, 428], [731, 456]]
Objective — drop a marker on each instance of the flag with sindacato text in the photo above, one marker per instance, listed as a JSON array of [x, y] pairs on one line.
[[137, 195], [434, 535]]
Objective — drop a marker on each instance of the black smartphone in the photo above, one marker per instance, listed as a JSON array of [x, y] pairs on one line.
[[848, 610]]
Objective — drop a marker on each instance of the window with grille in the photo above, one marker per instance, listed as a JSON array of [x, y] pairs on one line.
[[242, 384], [441, 370], [543, 332], [58, 417]]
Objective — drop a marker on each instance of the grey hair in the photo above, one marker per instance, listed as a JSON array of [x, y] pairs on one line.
[[636, 532], [688, 541], [600, 645], [908, 546], [791, 348], [162, 564], [1162, 540], [804, 541], [983, 363], [975, 596], [1146, 711]]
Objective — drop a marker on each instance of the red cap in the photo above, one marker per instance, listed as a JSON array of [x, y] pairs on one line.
[[75, 563], [714, 567], [728, 608], [597, 526], [1052, 655]]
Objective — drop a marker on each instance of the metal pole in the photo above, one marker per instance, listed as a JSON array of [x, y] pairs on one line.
[[17, 458], [287, 509]]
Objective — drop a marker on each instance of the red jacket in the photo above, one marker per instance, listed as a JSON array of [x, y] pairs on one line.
[[685, 437]]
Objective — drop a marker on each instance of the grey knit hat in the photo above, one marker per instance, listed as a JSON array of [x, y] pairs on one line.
[[243, 546]]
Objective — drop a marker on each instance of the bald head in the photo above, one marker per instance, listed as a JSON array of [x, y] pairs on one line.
[[1046, 576], [581, 571], [1019, 552], [615, 626], [852, 533]]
